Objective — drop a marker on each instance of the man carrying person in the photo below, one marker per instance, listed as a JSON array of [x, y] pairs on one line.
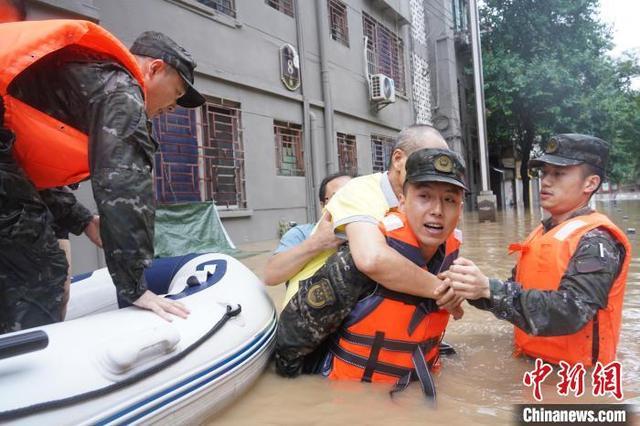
[[394, 337], [565, 297], [75, 107], [299, 245], [356, 210]]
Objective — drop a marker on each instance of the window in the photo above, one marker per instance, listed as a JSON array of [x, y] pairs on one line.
[[228, 7], [223, 154], [381, 150], [347, 153], [284, 6], [289, 152], [385, 51], [176, 161], [338, 25], [459, 12], [189, 171]]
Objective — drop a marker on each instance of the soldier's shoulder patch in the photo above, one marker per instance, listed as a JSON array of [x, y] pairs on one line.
[[320, 294], [392, 222]]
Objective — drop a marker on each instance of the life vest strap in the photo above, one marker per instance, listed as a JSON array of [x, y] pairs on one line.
[[419, 372], [424, 376], [408, 299], [448, 261], [428, 306], [388, 344], [373, 357], [361, 362]]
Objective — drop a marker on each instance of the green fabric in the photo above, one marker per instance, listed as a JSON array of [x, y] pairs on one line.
[[190, 228]]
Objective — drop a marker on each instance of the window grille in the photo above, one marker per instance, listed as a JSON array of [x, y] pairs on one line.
[[381, 150], [228, 7], [284, 6], [347, 153], [289, 152], [189, 170], [338, 24], [385, 51], [176, 161], [223, 154]]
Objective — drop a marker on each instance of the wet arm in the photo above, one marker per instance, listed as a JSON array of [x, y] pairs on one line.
[[290, 258], [298, 250]]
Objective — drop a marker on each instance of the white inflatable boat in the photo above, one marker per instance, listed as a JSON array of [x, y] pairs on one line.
[[109, 366]]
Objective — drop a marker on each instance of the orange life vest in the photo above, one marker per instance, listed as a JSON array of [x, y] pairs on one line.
[[392, 337], [544, 258], [50, 152]]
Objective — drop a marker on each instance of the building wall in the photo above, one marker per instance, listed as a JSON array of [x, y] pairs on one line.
[[442, 57]]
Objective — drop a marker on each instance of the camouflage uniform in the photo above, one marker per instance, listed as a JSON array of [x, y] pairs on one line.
[[596, 263], [99, 97], [318, 308], [583, 290], [69, 215]]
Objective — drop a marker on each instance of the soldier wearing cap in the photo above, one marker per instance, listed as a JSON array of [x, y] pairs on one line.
[[566, 294], [107, 95], [422, 231]]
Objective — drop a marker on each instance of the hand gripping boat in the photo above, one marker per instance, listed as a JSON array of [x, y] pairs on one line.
[[109, 366]]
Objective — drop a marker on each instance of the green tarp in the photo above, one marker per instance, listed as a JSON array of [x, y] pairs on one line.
[[190, 228]]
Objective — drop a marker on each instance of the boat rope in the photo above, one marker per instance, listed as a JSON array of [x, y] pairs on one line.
[[59, 403]]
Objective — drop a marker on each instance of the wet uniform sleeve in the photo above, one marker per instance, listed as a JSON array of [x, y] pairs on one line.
[[583, 290], [121, 154], [67, 212]]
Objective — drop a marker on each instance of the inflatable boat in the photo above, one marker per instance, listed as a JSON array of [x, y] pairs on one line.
[[106, 366]]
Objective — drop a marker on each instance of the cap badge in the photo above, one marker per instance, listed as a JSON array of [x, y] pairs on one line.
[[443, 164], [552, 146]]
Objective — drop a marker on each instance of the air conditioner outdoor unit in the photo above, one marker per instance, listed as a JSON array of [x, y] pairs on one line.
[[382, 89]]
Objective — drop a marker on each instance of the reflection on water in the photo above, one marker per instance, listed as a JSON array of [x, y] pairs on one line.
[[479, 384]]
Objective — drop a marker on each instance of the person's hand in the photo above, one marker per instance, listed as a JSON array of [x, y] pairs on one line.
[[161, 306], [468, 280], [325, 238], [92, 231], [446, 298]]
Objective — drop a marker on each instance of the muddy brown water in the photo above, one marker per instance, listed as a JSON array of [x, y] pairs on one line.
[[479, 385]]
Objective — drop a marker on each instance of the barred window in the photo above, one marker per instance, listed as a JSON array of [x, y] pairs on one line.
[[176, 175], [228, 7], [223, 153], [338, 24], [381, 150], [385, 51], [284, 6], [347, 153], [289, 152]]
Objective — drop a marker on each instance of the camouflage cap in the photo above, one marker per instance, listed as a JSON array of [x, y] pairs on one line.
[[570, 149], [436, 165], [157, 45]]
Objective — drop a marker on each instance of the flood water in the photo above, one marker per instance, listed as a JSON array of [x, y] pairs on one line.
[[479, 385]]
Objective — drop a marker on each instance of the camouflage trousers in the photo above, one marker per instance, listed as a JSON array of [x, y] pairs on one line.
[[33, 267], [322, 302]]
